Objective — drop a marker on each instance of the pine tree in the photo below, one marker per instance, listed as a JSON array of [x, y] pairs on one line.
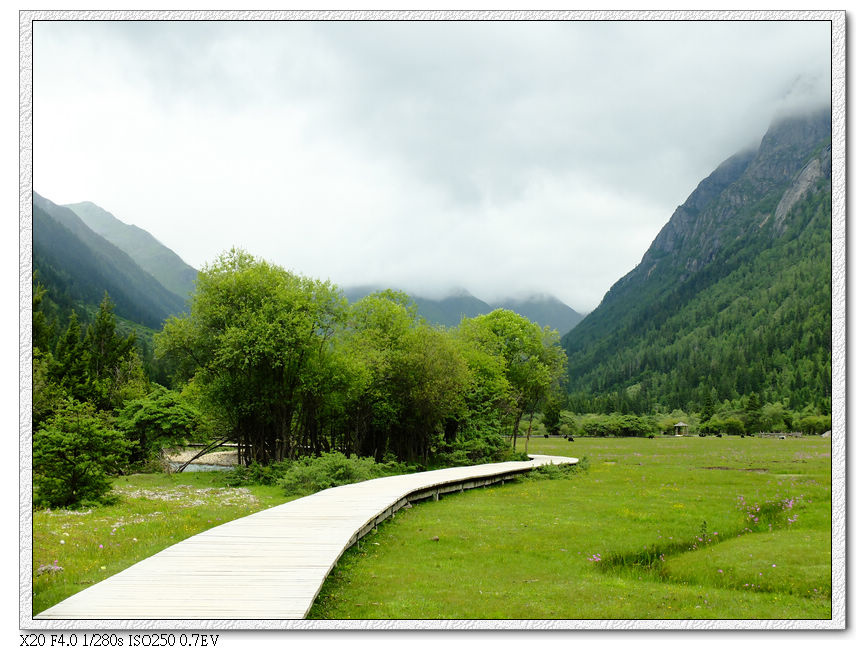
[[753, 417], [70, 361], [107, 354]]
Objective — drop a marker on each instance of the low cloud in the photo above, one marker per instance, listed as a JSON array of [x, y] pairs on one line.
[[494, 156]]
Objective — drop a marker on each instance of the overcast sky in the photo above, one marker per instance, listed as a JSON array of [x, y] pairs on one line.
[[502, 157]]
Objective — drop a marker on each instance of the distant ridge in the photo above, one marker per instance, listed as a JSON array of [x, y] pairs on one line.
[[78, 266], [157, 259], [545, 310]]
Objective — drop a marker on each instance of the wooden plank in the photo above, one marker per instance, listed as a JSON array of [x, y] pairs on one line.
[[270, 564]]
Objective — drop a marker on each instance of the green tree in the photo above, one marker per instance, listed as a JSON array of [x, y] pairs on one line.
[[708, 406], [775, 417], [733, 425], [43, 329], [252, 341], [74, 454], [109, 357], [69, 369], [98, 365], [552, 417], [531, 357], [753, 417], [160, 419], [410, 379]]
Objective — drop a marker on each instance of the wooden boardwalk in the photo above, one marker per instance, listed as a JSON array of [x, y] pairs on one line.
[[271, 564]]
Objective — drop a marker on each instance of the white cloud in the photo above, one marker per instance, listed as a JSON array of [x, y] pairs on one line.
[[494, 156]]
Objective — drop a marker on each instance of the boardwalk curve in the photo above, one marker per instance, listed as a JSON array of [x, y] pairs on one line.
[[270, 564]]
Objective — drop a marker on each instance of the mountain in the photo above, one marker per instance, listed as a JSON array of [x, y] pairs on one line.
[[78, 266], [449, 311], [545, 309], [158, 260], [733, 296]]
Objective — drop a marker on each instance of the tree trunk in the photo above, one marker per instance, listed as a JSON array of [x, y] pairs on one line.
[[516, 429]]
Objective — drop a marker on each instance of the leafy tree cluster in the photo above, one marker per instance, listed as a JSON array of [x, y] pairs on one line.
[[756, 320], [746, 416], [292, 370], [93, 411], [93, 363]]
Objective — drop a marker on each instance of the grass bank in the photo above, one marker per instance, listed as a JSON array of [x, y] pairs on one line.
[[73, 549], [663, 528]]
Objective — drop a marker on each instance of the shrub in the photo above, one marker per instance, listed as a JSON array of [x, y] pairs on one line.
[[312, 474], [619, 425], [734, 426], [161, 419], [550, 471], [718, 425], [814, 424], [74, 454], [482, 445], [255, 474]]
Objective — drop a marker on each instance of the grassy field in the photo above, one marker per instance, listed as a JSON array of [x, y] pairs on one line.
[[663, 528], [153, 512], [656, 528]]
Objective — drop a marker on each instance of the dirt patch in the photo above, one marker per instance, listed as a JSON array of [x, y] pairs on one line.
[[223, 458]]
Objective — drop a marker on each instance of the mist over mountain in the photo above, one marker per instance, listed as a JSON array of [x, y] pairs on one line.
[[449, 307], [544, 309], [732, 297], [734, 294]]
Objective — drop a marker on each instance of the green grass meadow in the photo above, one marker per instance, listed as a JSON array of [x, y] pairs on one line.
[[153, 511], [659, 528], [663, 528]]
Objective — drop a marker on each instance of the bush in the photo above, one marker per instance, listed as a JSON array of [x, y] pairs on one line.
[[312, 474], [161, 419], [814, 424], [550, 471], [718, 425], [483, 445], [256, 474], [734, 426], [74, 454], [616, 424]]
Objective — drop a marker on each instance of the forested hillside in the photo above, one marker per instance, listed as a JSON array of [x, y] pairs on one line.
[[152, 256], [732, 298], [77, 267]]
